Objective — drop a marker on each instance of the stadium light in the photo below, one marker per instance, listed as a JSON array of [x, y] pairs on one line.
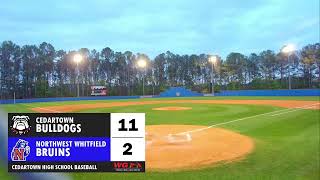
[[213, 60], [142, 63], [288, 49], [77, 58]]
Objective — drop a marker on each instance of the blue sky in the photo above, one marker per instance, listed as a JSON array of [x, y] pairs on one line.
[[155, 26]]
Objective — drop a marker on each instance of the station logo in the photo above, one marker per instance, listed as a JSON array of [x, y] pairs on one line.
[[20, 151], [20, 124], [128, 166]]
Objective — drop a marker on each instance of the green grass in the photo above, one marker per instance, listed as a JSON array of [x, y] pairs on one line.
[[287, 145]]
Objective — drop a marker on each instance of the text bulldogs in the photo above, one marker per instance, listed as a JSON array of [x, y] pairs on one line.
[[57, 125]]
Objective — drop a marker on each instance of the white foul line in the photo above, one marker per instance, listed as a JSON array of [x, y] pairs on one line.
[[298, 109], [241, 119]]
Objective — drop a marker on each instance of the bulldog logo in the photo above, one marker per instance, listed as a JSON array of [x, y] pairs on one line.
[[20, 124]]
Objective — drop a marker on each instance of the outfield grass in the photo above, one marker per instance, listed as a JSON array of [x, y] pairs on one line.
[[287, 145]]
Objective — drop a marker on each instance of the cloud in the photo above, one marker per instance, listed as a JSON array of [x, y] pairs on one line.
[[152, 27]]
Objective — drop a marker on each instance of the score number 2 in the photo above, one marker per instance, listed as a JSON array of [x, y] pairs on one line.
[[128, 146], [127, 151]]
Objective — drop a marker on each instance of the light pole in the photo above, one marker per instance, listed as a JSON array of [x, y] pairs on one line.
[[288, 49], [142, 64], [77, 58], [212, 60]]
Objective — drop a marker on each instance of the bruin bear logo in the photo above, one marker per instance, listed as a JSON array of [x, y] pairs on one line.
[[20, 151], [20, 124]]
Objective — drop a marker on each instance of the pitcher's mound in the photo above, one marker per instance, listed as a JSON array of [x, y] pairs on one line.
[[167, 150], [172, 108]]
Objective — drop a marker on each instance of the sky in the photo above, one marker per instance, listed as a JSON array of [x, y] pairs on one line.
[[156, 26]]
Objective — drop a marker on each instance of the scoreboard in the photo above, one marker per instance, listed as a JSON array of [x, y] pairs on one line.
[[76, 142]]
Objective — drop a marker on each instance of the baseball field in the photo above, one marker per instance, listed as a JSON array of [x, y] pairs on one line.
[[214, 137]]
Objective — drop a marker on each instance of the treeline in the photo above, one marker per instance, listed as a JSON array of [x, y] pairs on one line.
[[42, 71]]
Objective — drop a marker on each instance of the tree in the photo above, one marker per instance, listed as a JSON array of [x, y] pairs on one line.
[[60, 72], [309, 61], [317, 58], [30, 56], [40, 71], [159, 69], [253, 64], [44, 68], [268, 64], [282, 63], [94, 67], [236, 65], [105, 71], [10, 67]]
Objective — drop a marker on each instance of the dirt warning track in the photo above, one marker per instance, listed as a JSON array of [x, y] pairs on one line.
[[79, 107]]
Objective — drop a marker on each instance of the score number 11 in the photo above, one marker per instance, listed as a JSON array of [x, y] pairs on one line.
[[133, 125]]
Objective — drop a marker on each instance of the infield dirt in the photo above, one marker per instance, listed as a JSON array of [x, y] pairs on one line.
[[206, 147]]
